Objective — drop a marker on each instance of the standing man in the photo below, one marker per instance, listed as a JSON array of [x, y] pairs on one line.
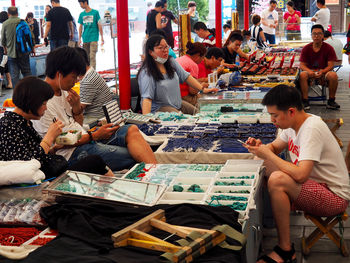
[[316, 62], [316, 180], [17, 62], [90, 19], [154, 18], [59, 22], [322, 16], [269, 21], [166, 18]]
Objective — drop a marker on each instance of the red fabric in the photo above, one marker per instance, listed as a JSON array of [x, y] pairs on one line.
[[316, 199], [320, 59], [293, 20], [191, 67], [203, 72]]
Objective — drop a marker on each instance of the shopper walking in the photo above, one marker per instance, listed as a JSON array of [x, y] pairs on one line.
[[269, 21], [90, 27], [59, 24], [322, 16], [166, 18], [18, 62]]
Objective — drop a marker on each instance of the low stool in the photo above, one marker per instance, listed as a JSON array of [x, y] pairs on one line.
[[325, 227]]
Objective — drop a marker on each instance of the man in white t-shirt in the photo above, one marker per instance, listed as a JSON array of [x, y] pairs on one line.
[[269, 22], [119, 146], [323, 15], [337, 46], [315, 181]]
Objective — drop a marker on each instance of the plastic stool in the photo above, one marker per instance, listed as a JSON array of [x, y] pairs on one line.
[[325, 227]]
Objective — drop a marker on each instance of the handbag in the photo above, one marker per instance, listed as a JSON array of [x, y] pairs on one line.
[[346, 48], [54, 166]]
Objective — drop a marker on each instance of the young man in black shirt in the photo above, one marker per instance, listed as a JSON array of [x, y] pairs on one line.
[[233, 49], [154, 18], [167, 17], [59, 22]]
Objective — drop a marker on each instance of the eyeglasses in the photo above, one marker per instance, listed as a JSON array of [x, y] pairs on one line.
[[162, 48], [317, 34]]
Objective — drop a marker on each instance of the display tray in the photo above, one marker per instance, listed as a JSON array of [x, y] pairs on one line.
[[110, 189]]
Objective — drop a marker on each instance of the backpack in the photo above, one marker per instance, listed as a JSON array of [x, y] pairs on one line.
[[24, 41]]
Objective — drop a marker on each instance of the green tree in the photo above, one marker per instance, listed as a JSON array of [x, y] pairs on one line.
[[202, 7]]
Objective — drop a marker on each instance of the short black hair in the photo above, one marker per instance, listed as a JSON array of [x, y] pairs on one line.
[[164, 1], [30, 93], [235, 36], [83, 1], [191, 4], [12, 10], [291, 4], [246, 33], [283, 97], [3, 16], [322, 2], [317, 26], [55, 1], [327, 34], [64, 60], [200, 25], [84, 54], [215, 52], [195, 48], [158, 32], [256, 19], [30, 15], [273, 2], [159, 4], [226, 26]]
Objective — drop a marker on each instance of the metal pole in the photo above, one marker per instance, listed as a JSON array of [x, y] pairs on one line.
[[246, 14], [13, 2], [218, 23], [123, 54]]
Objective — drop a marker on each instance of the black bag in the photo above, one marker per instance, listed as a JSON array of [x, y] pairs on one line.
[[54, 166]]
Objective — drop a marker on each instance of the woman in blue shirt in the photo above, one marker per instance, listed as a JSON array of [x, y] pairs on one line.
[[159, 80]]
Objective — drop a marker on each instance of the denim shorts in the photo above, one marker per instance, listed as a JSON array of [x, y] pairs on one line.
[[113, 151]]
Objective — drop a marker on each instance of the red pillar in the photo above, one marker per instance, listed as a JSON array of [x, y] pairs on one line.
[[218, 23], [123, 54], [13, 2], [246, 14]]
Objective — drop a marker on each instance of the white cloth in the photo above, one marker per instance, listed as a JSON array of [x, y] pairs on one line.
[[59, 108], [322, 17], [270, 18], [315, 142], [226, 35], [337, 45], [17, 172]]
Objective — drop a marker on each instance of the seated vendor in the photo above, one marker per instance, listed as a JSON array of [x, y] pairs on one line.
[[232, 49], [94, 92], [315, 181], [159, 80], [317, 62], [189, 62], [203, 32], [119, 146], [212, 60], [19, 140]]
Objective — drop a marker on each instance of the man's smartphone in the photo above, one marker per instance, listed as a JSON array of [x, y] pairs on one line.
[[242, 142]]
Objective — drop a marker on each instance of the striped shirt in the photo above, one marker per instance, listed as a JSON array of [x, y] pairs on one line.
[[255, 34], [95, 93]]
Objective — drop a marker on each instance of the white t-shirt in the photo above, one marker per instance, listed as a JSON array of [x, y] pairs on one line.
[[59, 108], [315, 142], [337, 45], [270, 18], [322, 17]]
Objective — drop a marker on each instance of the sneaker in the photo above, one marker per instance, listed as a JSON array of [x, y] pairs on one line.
[[306, 105], [332, 105]]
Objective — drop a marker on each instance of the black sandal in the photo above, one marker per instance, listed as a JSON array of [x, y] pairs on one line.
[[287, 256]]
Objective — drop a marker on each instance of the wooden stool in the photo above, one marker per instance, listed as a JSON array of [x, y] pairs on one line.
[[324, 227]]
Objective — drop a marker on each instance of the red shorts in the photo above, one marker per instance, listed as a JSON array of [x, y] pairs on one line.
[[316, 199]]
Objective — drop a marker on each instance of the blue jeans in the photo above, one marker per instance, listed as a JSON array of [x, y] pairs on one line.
[[19, 65], [270, 38], [56, 43], [113, 151]]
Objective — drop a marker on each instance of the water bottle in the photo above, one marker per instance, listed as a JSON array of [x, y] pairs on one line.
[[237, 60]]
